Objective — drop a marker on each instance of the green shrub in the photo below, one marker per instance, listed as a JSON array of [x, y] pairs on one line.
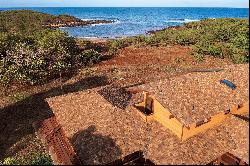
[[9, 161], [5, 75], [238, 59], [28, 22], [85, 44], [38, 159], [117, 44], [18, 97], [227, 38], [163, 38], [153, 41], [221, 38], [30, 53], [89, 57], [216, 51], [187, 37], [198, 57], [31, 159], [35, 59], [139, 41], [241, 41]]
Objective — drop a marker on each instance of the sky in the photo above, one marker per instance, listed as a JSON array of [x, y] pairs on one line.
[[125, 3]]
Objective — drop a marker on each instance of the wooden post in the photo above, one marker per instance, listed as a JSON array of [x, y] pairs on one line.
[[148, 103], [145, 99]]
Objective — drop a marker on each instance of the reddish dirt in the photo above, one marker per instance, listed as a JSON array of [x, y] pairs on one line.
[[133, 65], [130, 65], [149, 55], [177, 55]]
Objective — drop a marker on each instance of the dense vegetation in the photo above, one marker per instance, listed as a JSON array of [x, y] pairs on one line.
[[36, 58], [27, 22], [222, 38], [30, 53], [34, 158]]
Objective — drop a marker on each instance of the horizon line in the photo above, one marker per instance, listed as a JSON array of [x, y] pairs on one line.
[[123, 7]]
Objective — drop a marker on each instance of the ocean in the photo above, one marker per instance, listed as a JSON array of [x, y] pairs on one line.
[[136, 21]]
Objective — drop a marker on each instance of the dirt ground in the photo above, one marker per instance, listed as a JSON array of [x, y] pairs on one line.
[[130, 65]]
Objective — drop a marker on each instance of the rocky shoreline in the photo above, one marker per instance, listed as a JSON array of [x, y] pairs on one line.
[[58, 24]]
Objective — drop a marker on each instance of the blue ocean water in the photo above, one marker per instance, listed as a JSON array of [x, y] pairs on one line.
[[135, 21]]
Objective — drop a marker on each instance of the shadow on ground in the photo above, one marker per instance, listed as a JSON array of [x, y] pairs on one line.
[[117, 96], [245, 118], [93, 148], [16, 119]]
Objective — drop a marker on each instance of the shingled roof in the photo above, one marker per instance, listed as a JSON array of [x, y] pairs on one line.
[[102, 132], [198, 95]]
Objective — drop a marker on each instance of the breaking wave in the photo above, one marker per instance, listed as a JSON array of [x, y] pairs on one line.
[[182, 20]]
